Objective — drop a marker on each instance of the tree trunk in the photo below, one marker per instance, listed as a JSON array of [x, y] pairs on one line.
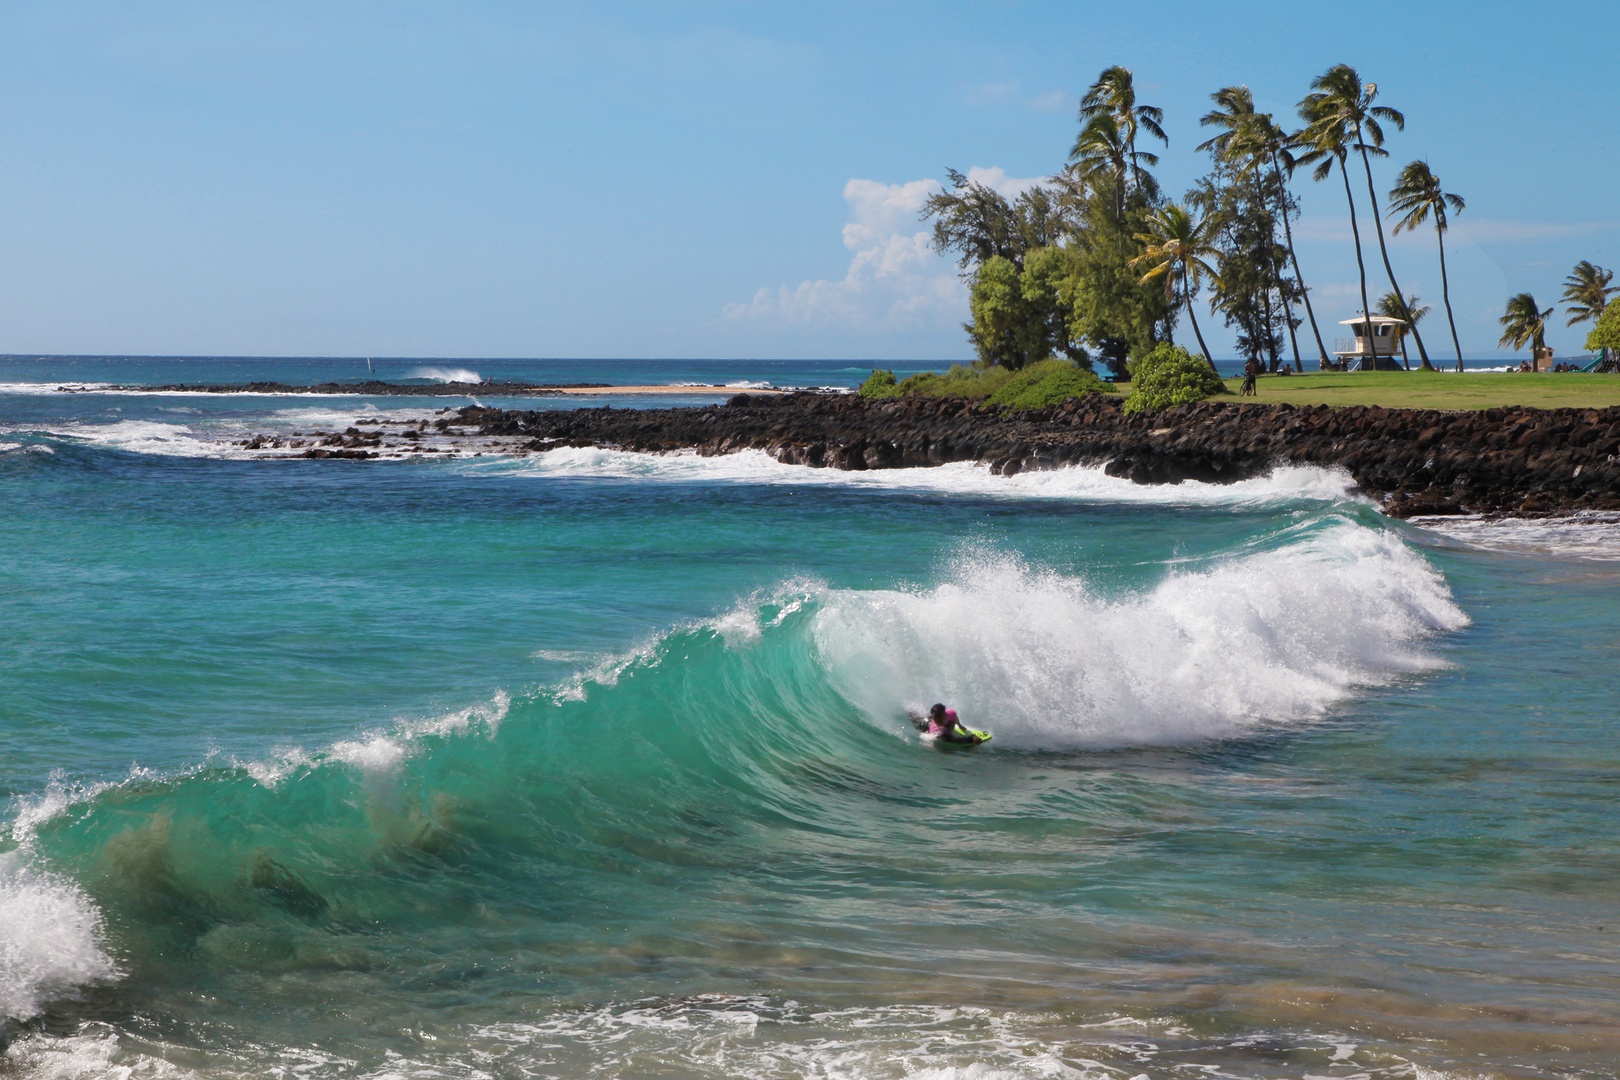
[[1383, 250], [1186, 291], [1445, 290], [1361, 268], [1304, 293], [1275, 266]]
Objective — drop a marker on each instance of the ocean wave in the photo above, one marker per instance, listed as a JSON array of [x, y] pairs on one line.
[[1075, 482], [1590, 535], [50, 939], [145, 437], [1049, 663], [445, 374], [728, 741], [55, 386]]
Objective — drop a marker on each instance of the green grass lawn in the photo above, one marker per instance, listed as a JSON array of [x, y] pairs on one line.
[[1435, 389]]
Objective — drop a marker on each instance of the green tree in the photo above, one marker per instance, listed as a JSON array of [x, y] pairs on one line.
[[1407, 311], [1109, 307], [979, 224], [1177, 249], [1605, 336], [1587, 292], [1339, 117], [1252, 292], [1022, 316], [1524, 322], [1253, 142], [1417, 197]]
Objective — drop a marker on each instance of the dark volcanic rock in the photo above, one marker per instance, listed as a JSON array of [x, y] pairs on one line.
[[1418, 461]]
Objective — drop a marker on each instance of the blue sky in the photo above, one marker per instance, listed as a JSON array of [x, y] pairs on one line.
[[472, 179]]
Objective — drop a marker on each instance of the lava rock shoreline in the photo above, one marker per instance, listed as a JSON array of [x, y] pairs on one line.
[[1514, 461]]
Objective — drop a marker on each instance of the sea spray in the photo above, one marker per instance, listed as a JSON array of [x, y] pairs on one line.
[[1045, 660], [444, 375], [50, 939]]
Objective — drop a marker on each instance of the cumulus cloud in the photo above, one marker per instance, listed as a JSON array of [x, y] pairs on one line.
[[895, 280]]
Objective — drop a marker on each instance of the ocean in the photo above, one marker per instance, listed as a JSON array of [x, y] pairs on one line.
[[589, 763]]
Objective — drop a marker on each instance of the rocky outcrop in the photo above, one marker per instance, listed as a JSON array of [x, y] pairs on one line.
[[1416, 461]]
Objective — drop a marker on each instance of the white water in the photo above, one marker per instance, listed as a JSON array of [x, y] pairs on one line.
[[445, 375], [49, 939], [1591, 535], [1046, 662], [1079, 482]]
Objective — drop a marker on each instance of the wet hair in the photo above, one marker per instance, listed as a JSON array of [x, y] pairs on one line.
[[937, 710]]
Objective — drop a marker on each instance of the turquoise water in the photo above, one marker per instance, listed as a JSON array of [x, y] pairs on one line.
[[591, 763]]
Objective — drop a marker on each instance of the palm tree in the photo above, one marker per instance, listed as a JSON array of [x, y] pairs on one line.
[[1114, 95], [1326, 144], [1341, 102], [1177, 249], [1525, 322], [1255, 138], [1417, 196], [1100, 149], [1587, 292], [1407, 311]]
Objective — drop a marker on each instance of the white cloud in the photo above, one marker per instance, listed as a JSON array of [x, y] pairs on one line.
[[895, 281]]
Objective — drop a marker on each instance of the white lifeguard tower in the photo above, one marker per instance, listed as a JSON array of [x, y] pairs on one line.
[[1377, 353]]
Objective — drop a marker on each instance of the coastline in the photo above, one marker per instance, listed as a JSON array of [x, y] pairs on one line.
[[379, 388], [1515, 461]]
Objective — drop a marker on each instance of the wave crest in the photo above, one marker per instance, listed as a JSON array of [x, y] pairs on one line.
[[445, 374], [1268, 636], [49, 939]]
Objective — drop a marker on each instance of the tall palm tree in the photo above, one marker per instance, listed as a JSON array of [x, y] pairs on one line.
[[1177, 249], [1339, 100], [1100, 149], [1406, 310], [1114, 95], [1327, 145], [1524, 322], [1417, 197], [1587, 292], [1255, 139]]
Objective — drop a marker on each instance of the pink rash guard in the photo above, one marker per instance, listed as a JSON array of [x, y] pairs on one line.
[[952, 721]]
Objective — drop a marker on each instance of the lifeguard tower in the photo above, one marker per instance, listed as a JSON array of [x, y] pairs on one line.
[[1377, 353]]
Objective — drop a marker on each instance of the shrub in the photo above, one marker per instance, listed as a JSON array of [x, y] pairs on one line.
[[973, 381], [1049, 382], [880, 385], [1170, 376]]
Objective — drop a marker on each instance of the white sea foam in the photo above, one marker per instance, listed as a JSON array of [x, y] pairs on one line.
[[95, 1053], [1262, 638], [146, 437], [1591, 535], [445, 374], [49, 939], [1084, 483], [57, 387], [714, 1035]]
